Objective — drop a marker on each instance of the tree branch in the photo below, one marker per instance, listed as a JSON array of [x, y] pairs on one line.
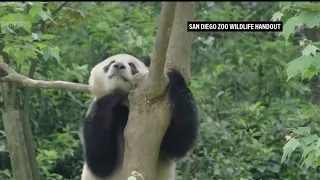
[[55, 12], [58, 9], [156, 77], [28, 82], [178, 55]]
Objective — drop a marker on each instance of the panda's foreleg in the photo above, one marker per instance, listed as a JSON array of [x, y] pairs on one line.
[[100, 133], [182, 132]]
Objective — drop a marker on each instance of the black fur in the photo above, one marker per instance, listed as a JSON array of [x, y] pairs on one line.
[[146, 61], [101, 132], [108, 118], [106, 68], [182, 132]]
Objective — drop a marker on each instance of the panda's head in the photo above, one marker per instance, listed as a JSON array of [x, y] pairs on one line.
[[115, 74]]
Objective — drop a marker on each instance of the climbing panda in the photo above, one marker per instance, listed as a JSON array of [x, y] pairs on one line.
[[102, 131]]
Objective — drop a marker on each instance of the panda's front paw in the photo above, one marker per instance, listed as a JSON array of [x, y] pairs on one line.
[[137, 78]]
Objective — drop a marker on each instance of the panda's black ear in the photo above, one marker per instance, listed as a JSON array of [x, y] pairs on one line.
[[104, 56], [146, 61]]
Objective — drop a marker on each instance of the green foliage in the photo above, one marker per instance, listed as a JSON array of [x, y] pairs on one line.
[[307, 65], [244, 101], [307, 15], [309, 143]]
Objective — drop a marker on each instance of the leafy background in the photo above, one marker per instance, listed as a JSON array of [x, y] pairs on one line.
[[251, 87]]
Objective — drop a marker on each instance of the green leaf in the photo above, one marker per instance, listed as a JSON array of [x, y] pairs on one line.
[[291, 145], [310, 49], [219, 69], [35, 36], [310, 19], [309, 161], [299, 65], [51, 154], [44, 15], [46, 53], [277, 16], [301, 43], [290, 25], [301, 130], [102, 25], [48, 36], [55, 53], [27, 26], [312, 71], [40, 45], [34, 11], [307, 150], [310, 139]]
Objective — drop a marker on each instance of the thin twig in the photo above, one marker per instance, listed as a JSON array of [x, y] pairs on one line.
[[58, 9], [54, 13]]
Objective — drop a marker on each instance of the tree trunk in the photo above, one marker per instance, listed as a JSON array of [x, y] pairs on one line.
[[17, 146], [315, 81], [18, 131], [150, 115]]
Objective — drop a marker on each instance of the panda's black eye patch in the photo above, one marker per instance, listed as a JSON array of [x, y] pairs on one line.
[[133, 69], [106, 68]]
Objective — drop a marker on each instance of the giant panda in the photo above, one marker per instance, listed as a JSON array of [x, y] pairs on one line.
[[102, 131]]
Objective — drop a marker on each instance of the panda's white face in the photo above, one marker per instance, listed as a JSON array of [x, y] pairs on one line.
[[115, 74]]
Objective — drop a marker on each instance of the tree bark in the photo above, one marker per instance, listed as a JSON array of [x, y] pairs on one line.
[[150, 115], [16, 123], [146, 111], [315, 81], [13, 76], [179, 50], [25, 120], [16, 145]]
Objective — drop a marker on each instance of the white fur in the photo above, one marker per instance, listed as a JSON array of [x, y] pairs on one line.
[[100, 84]]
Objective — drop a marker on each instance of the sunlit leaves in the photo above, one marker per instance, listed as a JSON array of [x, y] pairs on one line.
[[291, 145], [38, 11], [51, 51], [34, 11], [301, 130], [277, 16], [290, 26], [307, 15], [310, 139], [219, 69], [299, 65], [47, 36], [35, 36], [309, 50], [309, 143]]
